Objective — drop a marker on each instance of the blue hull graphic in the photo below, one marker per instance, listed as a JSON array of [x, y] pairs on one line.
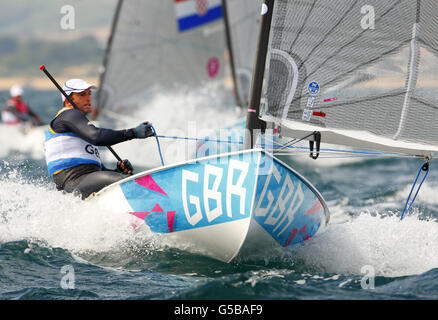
[[210, 202]]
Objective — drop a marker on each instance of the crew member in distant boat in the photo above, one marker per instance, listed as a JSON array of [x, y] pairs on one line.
[[71, 146], [18, 112]]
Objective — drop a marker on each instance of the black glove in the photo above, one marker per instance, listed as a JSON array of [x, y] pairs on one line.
[[144, 130], [125, 167]]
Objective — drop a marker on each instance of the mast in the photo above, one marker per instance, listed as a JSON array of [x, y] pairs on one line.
[[231, 54], [252, 120], [105, 60]]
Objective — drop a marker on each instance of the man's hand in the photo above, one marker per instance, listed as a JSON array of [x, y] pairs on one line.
[[125, 167], [144, 130]]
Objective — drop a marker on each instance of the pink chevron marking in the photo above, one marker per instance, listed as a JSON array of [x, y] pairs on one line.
[[315, 208], [292, 236], [140, 215], [170, 219], [149, 183], [157, 208], [306, 236]]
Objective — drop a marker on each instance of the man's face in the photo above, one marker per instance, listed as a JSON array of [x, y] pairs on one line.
[[82, 100]]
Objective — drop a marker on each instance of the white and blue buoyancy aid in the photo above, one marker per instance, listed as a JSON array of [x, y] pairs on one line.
[[67, 150]]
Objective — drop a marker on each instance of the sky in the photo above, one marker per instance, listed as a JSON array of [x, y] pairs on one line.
[[56, 19]]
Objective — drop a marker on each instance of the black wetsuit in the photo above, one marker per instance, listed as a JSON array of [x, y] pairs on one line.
[[87, 178]]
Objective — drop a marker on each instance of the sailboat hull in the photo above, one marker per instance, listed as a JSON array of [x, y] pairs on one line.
[[219, 205]]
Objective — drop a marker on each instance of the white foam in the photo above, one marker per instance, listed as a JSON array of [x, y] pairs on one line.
[[32, 210], [427, 193], [12, 139], [392, 247]]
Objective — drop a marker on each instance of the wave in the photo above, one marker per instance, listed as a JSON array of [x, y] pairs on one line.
[[384, 244], [34, 210]]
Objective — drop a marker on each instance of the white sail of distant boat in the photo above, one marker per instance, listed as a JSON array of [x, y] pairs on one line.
[[173, 46], [361, 73], [243, 18], [198, 53]]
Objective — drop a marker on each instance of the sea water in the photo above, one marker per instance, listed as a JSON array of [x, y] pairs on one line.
[[55, 246]]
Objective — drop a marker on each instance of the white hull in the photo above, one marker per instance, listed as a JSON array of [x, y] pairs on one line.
[[222, 206]]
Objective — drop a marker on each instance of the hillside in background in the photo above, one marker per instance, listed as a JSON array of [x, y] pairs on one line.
[[41, 18], [31, 34], [21, 58]]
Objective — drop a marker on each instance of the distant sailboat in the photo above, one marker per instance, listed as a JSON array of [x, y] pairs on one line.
[[176, 46], [195, 51]]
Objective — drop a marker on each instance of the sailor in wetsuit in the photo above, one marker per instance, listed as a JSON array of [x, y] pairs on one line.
[[71, 151]]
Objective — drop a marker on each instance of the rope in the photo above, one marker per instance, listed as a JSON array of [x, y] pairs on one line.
[[158, 144], [200, 139], [280, 149], [424, 167]]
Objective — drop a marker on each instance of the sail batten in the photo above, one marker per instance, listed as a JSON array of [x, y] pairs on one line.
[[413, 70], [366, 75]]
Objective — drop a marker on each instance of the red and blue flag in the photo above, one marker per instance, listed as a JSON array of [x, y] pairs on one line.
[[194, 13]]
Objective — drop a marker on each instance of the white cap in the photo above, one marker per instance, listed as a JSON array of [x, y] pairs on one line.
[[75, 85], [16, 90]]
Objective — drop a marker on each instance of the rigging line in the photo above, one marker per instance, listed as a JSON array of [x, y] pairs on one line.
[[354, 40], [424, 167], [328, 150], [200, 139], [298, 148], [290, 143], [345, 153], [342, 156], [352, 152]]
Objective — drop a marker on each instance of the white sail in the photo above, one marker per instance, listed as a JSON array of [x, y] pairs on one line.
[[361, 72], [163, 46], [244, 19]]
